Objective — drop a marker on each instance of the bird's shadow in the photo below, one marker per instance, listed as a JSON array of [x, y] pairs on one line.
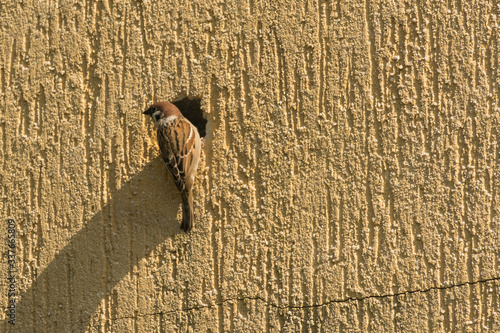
[[137, 218]]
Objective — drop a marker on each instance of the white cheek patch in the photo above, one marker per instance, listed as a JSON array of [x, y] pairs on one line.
[[156, 116], [167, 120]]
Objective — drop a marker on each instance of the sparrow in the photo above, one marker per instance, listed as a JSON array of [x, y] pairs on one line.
[[180, 147]]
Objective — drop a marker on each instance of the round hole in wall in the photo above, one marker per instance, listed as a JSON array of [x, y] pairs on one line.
[[191, 109]]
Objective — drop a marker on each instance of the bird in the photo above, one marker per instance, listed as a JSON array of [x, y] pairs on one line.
[[180, 146]]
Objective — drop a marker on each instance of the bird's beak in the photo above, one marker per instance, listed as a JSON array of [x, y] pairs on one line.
[[148, 111]]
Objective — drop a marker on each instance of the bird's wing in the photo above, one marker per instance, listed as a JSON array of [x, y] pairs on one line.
[[177, 144]]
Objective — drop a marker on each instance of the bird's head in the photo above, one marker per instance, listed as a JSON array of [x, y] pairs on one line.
[[162, 110]]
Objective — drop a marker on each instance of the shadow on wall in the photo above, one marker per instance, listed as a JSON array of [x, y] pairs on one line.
[[139, 216]]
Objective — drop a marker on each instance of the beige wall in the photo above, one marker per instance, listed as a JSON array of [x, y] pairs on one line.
[[353, 152]]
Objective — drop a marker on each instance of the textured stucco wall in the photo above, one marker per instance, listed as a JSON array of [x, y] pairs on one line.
[[353, 152]]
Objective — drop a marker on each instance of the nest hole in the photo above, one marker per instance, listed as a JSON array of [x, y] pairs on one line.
[[191, 109]]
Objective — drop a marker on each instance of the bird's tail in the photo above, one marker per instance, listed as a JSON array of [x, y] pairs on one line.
[[187, 210]]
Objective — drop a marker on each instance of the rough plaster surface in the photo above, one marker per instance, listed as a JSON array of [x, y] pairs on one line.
[[349, 180]]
